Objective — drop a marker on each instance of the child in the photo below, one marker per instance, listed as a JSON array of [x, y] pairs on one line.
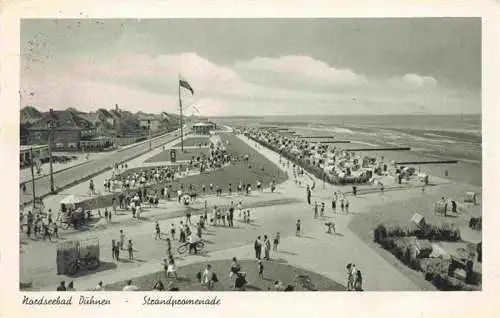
[[261, 269]]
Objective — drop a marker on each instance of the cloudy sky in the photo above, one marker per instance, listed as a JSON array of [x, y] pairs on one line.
[[254, 67]]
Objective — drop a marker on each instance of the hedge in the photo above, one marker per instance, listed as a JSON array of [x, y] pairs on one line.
[[443, 232], [403, 241]]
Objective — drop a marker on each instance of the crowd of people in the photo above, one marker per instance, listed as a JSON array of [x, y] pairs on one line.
[[148, 186], [336, 164]]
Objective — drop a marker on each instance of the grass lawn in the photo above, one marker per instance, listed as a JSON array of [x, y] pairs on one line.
[[261, 168], [194, 141], [258, 167], [180, 156], [400, 212], [273, 270]]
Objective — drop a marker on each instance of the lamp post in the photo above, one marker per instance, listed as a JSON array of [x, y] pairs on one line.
[[51, 125], [33, 177], [149, 133]]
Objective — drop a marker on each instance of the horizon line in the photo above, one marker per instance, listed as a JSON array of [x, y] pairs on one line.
[[281, 115]]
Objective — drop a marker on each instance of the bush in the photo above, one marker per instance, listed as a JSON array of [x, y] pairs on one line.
[[476, 223], [443, 232], [433, 267]]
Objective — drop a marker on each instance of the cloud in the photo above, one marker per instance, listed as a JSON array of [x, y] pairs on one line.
[[414, 81], [288, 84], [300, 69], [60, 92], [163, 69]]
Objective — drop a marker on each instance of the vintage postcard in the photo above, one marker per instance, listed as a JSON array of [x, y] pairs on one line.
[[194, 159]]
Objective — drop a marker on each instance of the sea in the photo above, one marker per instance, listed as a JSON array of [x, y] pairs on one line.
[[430, 137]]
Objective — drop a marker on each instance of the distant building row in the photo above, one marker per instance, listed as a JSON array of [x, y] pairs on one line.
[[73, 130]]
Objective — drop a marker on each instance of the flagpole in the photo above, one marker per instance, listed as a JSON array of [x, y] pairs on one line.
[[182, 123]]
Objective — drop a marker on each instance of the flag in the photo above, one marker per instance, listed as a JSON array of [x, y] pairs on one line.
[[185, 84]]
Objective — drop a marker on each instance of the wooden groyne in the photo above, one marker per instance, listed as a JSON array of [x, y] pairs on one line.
[[313, 137], [380, 149], [427, 162], [335, 142]]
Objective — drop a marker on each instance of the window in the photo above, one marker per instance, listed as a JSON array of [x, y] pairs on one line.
[[59, 145]]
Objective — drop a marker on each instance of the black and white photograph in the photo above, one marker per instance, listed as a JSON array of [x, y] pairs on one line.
[[305, 154]]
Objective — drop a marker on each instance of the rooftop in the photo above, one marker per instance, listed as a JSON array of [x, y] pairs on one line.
[[203, 125], [34, 147]]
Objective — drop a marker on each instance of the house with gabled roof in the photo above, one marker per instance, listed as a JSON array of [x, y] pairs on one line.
[[69, 129]]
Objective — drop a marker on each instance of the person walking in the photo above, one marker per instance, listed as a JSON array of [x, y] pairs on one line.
[[267, 248], [182, 234], [158, 231], [122, 239], [276, 242], [192, 245], [113, 247], [62, 286], [231, 216], [261, 269], [315, 209], [209, 278], [55, 229], [46, 232], [308, 193], [258, 248], [199, 227], [169, 247], [358, 281], [297, 228], [346, 206], [322, 209], [172, 231], [350, 268], [130, 249]]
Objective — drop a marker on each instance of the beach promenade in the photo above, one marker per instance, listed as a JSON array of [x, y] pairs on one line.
[[66, 177], [314, 250]]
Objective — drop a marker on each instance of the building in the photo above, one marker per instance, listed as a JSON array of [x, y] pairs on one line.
[[68, 128], [106, 118], [39, 152], [203, 128], [96, 144], [149, 122]]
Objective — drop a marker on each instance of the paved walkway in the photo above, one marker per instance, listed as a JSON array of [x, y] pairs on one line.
[[25, 173], [81, 190], [314, 249]]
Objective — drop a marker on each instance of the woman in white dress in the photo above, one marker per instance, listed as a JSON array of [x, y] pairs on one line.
[[171, 269]]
